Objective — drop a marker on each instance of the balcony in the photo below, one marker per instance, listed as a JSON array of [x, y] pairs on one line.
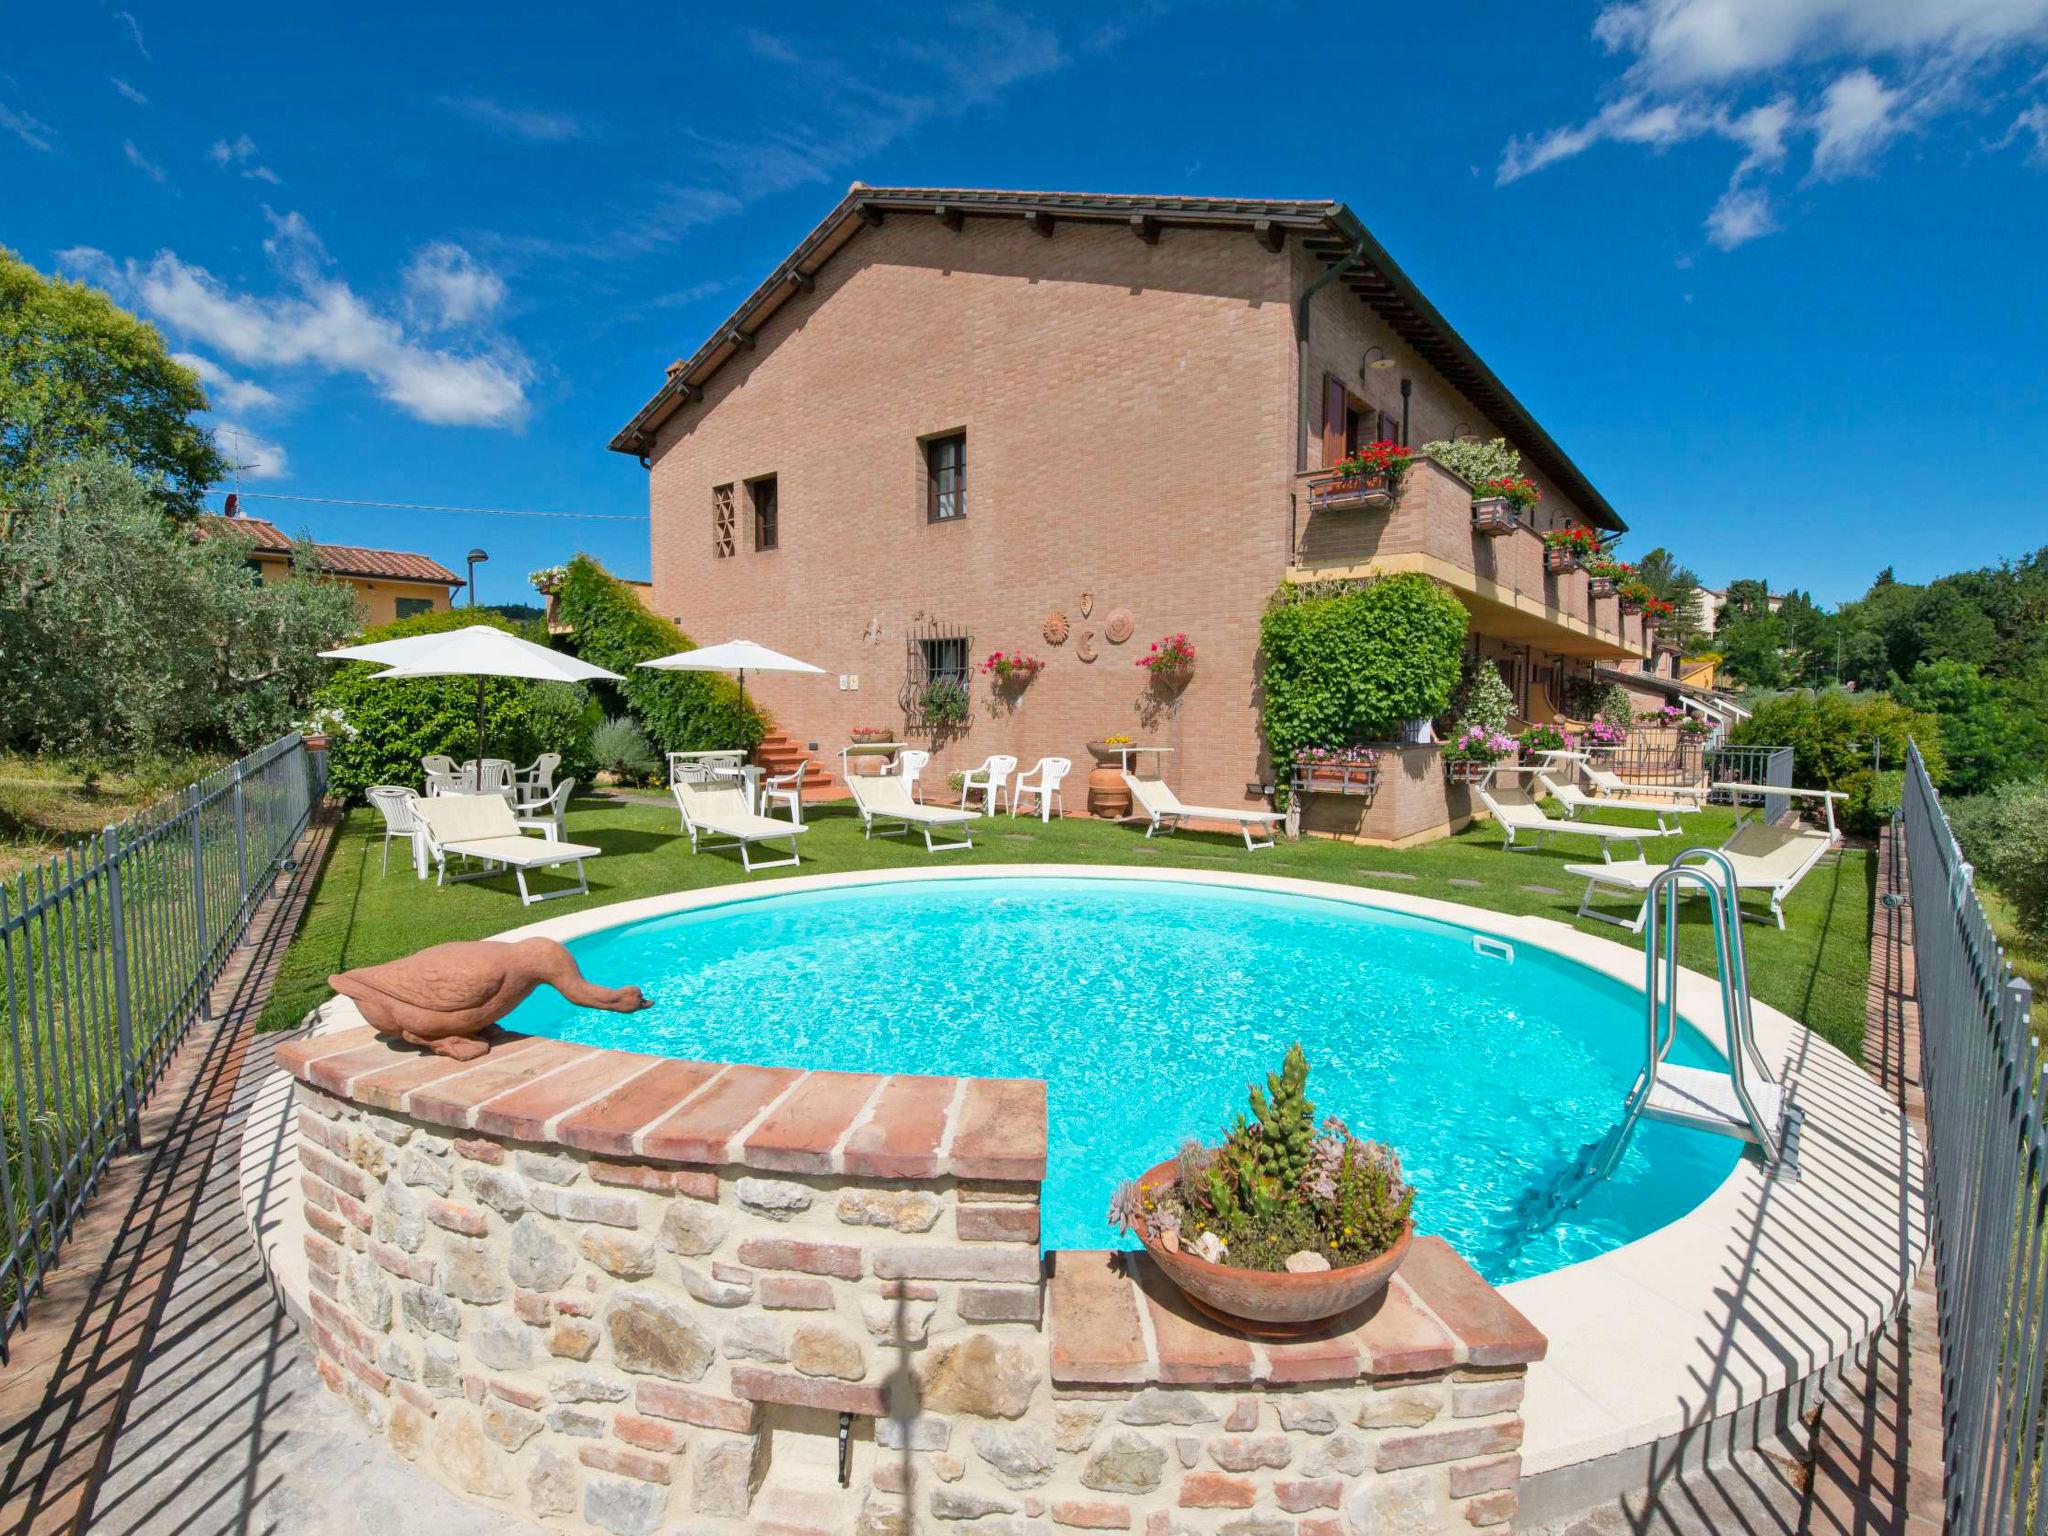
[[1500, 578]]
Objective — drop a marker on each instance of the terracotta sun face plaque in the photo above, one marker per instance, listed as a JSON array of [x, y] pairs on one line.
[[1085, 646], [1118, 629], [1055, 629], [1087, 604]]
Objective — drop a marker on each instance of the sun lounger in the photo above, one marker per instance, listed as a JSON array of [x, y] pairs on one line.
[[1575, 800], [887, 798], [717, 808], [1167, 814], [483, 827], [1609, 784], [1766, 858], [1519, 816]]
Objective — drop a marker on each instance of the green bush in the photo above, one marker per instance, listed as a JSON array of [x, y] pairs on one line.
[[384, 728], [1354, 662], [619, 746], [680, 711], [1832, 733], [2005, 835], [1873, 799]]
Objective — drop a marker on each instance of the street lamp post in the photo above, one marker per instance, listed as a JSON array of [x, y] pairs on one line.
[[476, 558]]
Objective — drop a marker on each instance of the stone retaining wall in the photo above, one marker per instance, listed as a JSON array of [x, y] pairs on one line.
[[510, 1286]]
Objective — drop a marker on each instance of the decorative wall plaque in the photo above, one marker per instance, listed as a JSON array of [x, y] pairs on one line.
[[1118, 629], [1087, 604], [1085, 646], [1055, 629]]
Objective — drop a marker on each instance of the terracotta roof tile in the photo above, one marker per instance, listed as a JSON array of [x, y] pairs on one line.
[[340, 559]]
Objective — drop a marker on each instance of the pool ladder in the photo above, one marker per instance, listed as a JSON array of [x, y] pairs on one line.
[[1744, 1101]]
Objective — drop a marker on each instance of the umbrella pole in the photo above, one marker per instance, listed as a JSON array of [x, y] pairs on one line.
[[481, 684]]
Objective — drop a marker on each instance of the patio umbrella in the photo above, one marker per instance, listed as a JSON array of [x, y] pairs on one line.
[[741, 656], [481, 651]]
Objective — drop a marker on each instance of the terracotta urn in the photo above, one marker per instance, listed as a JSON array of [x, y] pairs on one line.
[[315, 741], [1272, 1302], [1109, 796]]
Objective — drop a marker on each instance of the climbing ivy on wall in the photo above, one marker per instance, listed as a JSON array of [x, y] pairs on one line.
[[1351, 662]]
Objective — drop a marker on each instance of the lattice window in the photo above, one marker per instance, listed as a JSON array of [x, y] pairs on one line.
[[723, 539]]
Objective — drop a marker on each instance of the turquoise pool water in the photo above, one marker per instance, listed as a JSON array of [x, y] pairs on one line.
[[1147, 1006]]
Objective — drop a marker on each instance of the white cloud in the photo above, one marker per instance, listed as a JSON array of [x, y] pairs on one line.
[[2034, 123], [320, 322], [239, 154], [534, 124], [253, 456], [446, 286], [1742, 214], [225, 392], [129, 91], [33, 133], [1858, 115], [142, 162], [134, 31]]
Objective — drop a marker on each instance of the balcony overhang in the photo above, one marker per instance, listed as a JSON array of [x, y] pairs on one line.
[[1499, 611]]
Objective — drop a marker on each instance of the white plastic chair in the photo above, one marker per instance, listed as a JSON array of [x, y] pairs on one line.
[[910, 763], [492, 777], [394, 804], [439, 773], [989, 779], [548, 810], [788, 788], [1042, 779], [537, 777]]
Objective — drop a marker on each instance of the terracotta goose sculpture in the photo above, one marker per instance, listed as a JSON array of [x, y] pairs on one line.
[[443, 997]]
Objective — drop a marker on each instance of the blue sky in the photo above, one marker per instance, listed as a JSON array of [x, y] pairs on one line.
[[1770, 270]]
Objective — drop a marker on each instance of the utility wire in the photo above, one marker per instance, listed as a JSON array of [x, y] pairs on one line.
[[413, 506]]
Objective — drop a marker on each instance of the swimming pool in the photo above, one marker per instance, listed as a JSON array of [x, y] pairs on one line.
[[1147, 1006]]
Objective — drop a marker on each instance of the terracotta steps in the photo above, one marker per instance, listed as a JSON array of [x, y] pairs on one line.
[[780, 753]]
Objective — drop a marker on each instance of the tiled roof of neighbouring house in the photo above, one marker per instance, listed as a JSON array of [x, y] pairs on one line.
[[1329, 230], [340, 559]]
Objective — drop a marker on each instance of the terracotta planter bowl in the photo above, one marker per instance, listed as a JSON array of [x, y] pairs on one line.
[[1273, 1302]]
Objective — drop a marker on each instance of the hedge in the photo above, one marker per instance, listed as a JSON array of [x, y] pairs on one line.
[[1832, 733], [681, 711], [1353, 662], [2004, 833], [384, 728]]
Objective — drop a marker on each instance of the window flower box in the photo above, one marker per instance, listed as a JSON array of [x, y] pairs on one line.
[[1466, 770], [1558, 561], [1368, 479], [1572, 546], [1492, 516], [1473, 752], [1600, 586], [1337, 770]]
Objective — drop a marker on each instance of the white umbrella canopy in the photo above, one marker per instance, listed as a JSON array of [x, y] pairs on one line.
[[480, 651], [741, 656]]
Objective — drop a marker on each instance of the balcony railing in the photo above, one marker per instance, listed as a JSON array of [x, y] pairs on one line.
[[1342, 528]]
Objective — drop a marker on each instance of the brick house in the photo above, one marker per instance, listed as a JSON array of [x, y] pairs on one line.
[[389, 583], [950, 420]]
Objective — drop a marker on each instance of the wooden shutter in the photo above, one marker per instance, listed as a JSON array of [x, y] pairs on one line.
[[1336, 409]]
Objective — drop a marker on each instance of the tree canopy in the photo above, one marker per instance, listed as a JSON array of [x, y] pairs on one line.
[[80, 376]]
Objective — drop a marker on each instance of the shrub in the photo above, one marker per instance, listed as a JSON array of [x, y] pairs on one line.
[[1873, 799], [1832, 733], [385, 728], [945, 704], [2005, 835], [620, 747], [1475, 462], [1353, 662], [680, 711], [1482, 702], [1587, 698]]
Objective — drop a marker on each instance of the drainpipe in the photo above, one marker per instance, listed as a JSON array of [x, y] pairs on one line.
[[1407, 389]]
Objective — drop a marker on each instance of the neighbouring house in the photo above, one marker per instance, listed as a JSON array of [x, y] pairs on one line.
[[390, 583], [951, 423], [1714, 599]]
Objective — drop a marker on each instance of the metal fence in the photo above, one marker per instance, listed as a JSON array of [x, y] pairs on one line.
[[106, 955], [1987, 1169], [1752, 765]]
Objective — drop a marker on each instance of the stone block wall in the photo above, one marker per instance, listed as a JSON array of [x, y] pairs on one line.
[[834, 1317]]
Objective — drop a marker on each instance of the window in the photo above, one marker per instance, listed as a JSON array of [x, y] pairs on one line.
[[413, 607], [945, 659], [722, 521], [945, 464], [762, 494]]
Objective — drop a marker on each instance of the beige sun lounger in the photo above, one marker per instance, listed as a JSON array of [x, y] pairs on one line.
[[1575, 800], [717, 808], [1519, 816], [483, 827], [887, 798], [1167, 814], [1608, 784], [1765, 858]]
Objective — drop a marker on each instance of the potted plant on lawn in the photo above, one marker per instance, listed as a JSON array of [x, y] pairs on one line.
[[1170, 660], [1368, 477], [1469, 754], [1499, 503], [1569, 547], [1108, 795], [1283, 1226]]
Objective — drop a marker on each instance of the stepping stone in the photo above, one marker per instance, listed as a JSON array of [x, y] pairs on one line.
[[1541, 890], [1469, 885], [1387, 874]]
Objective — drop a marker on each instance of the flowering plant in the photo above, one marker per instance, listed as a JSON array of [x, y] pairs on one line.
[[869, 733], [1279, 1193], [1381, 459], [1669, 715], [1539, 739], [1519, 491], [1118, 740], [548, 579], [1655, 608], [1335, 757], [1576, 538], [1011, 666], [327, 720], [1174, 653], [1479, 744], [1694, 725], [1606, 567], [1600, 734]]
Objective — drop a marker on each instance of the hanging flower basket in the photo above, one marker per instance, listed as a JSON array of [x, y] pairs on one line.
[[1011, 669], [1171, 660]]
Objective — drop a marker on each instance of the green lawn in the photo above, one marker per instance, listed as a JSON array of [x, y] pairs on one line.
[[1815, 970]]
